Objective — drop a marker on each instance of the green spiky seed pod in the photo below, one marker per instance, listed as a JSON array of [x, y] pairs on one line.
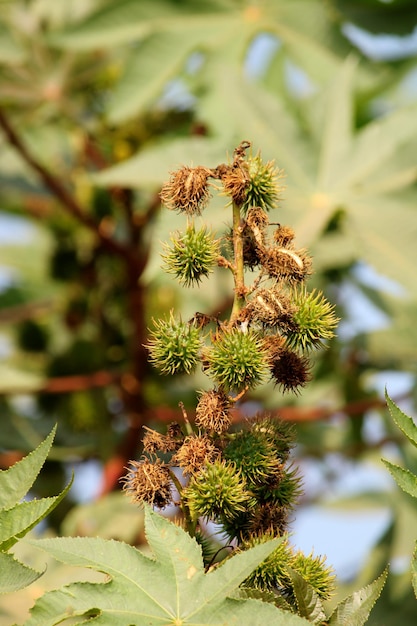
[[174, 346], [272, 573], [315, 572], [237, 359], [286, 494], [148, 481], [187, 190], [254, 454], [196, 451], [263, 189], [217, 492], [192, 255], [281, 434], [314, 318], [212, 412]]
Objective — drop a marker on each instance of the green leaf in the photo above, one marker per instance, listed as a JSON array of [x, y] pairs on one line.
[[14, 575], [151, 166], [124, 20], [403, 477], [169, 588], [354, 610], [16, 481], [404, 422], [154, 61], [308, 602], [19, 520]]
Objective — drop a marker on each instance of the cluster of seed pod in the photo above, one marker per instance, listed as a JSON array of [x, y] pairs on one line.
[[240, 479]]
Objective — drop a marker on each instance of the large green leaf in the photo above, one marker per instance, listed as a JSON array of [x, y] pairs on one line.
[[166, 32], [14, 575], [354, 610], [126, 20], [16, 481], [170, 588]]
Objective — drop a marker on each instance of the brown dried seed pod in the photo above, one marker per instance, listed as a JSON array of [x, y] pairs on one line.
[[148, 481], [235, 181], [284, 236], [291, 371], [212, 412], [187, 190], [275, 346], [196, 451], [272, 307], [292, 266]]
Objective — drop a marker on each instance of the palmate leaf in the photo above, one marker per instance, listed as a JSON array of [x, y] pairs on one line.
[[354, 610], [166, 32], [170, 588]]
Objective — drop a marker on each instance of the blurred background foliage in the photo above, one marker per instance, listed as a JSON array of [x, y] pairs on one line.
[[99, 100]]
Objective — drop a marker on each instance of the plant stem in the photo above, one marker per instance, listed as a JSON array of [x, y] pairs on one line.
[[239, 297], [190, 524]]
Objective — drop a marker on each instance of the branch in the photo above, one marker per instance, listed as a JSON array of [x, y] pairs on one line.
[[60, 192]]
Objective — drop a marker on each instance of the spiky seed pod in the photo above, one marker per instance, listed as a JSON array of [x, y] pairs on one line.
[[315, 572], [274, 346], [279, 433], [212, 412], [291, 371], [292, 266], [263, 189], [148, 481], [187, 190], [286, 494], [254, 237], [273, 572], [315, 320], [154, 442], [217, 492], [284, 236], [174, 346], [271, 307], [236, 359], [192, 255], [235, 181], [251, 252], [255, 456], [196, 451], [269, 518]]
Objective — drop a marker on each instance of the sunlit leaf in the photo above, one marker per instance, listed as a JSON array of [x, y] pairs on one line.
[[166, 589], [354, 610], [405, 423]]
